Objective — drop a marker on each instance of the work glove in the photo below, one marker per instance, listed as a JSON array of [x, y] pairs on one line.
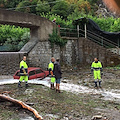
[[51, 72], [24, 72]]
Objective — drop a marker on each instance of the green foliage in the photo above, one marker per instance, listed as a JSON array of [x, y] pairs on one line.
[[42, 7], [65, 12], [28, 6], [13, 38], [61, 8], [59, 20], [22, 6], [92, 2], [54, 38], [9, 3], [108, 24]]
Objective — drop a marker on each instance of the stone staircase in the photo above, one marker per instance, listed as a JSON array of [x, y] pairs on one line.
[[91, 49]]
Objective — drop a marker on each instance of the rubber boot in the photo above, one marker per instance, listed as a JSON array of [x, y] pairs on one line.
[[96, 85], [56, 90], [19, 84], [50, 86], [26, 85], [59, 91], [100, 84], [53, 86]]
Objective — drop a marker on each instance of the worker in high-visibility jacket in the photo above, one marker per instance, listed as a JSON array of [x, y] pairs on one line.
[[51, 72], [96, 68], [23, 72]]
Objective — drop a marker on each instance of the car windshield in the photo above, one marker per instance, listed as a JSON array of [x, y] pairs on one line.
[[18, 74], [38, 71], [31, 73]]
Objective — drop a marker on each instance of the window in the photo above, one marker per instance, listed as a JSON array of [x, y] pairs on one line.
[[31, 73], [38, 71], [18, 74]]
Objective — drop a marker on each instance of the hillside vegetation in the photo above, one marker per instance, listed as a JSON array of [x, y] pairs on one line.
[[65, 12]]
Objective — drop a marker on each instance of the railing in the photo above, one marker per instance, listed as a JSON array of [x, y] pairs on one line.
[[67, 32], [101, 40]]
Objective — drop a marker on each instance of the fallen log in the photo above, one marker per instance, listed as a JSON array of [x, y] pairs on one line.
[[25, 106], [7, 92]]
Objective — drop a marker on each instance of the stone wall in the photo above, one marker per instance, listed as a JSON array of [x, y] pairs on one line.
[[69, 53], [41, 54], [88, 50], [77, 51], [9, 62]]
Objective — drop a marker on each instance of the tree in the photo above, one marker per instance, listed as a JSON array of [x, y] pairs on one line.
[[22, 6], [33, 6], [61, 8], [51, 2], [27, 6], [84, 6], [13, 37], [9, 3], [42, 7], [72, 1]]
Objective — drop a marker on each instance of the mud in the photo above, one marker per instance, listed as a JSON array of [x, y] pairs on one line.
[[80, 83], [112, 94]]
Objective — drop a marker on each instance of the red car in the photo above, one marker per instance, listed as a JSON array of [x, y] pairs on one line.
[[33, 73]]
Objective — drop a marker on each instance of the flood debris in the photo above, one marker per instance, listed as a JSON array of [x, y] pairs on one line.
[[5, 92], [22, 104], [96, 117]]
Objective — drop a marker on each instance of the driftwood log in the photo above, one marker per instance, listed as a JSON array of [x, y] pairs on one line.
[[25, 106]]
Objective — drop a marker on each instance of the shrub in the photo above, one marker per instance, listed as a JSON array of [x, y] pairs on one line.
[[54, 38]]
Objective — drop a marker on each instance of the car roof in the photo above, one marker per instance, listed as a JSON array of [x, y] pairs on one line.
[[33, 68]]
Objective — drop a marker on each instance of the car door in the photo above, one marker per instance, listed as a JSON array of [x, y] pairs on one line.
[[17, 75], [40, 73], [32, 75]]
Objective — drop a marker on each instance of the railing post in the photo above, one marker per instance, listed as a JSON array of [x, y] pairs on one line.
[[118, 43], [78, 30], [85, 31]]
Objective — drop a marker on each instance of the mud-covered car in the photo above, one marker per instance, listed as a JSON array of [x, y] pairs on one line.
[[33, 73]]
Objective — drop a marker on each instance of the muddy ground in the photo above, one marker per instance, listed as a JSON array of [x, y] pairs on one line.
[[67, 105]]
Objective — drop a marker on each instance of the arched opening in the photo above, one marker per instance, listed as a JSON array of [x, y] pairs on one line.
[[13, 38]]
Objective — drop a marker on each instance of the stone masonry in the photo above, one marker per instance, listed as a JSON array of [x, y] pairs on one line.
[[41, 54], [9, 62], [76, 52]]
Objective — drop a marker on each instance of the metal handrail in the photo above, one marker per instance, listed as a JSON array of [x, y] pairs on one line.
[[90, 35], [101, 40], [106, 40]]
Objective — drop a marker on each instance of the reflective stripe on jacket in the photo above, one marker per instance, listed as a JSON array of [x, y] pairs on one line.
[[96, 66], [23, 65], [51, 66]]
